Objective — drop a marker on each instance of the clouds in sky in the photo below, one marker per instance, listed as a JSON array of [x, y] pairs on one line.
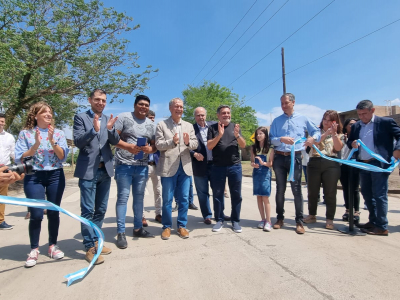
[[311, 111]]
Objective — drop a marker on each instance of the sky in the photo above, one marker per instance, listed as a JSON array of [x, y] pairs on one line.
[[179, 38]]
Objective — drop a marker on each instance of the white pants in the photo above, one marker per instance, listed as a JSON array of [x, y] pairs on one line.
[[156, 189]]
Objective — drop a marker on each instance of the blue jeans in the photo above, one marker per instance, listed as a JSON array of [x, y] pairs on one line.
[[125, 176], [281, 168], [36, 186], [94, 201], [201, 183], [190, 192], [179, 184], [218, 177], [374, 188]]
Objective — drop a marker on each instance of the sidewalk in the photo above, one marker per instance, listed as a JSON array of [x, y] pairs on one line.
[[320, 264]]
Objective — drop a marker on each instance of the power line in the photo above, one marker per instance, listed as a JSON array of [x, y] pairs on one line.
[[325, 55], [298, 29], [224, 41], [251, 38], [237, 41]]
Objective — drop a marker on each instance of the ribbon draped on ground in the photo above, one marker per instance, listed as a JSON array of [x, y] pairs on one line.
[[356, 164], [50, 206]]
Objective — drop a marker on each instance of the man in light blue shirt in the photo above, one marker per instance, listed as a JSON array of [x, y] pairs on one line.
[[285, 130]]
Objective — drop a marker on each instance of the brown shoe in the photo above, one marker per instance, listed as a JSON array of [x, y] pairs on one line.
[[91, 253], [278, 224], [300, 228], [368, 225], [377, 231], [310, 219], [28, 216], [183, 233], [144, 222], [159, 218], [207, 221], [329, 224], [166, 233], [105, 249]]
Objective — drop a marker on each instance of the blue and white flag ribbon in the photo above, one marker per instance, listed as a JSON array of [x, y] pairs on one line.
[[50, 206], [292, 153]]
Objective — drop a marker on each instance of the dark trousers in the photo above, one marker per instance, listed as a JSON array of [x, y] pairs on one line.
[[344, 179], [282, 168], [374, 188], [36, 186], [321, 170], [305, 173], [218, 177]]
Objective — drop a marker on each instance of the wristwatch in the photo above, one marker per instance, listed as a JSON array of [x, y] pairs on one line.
[[238, 136]]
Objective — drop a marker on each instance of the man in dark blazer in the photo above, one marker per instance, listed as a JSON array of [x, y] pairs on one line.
[[93, 134], [202, 162], [378, 134]]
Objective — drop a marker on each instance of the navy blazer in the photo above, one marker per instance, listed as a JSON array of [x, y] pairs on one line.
[[385, 131], [200, 167], [90, 144]]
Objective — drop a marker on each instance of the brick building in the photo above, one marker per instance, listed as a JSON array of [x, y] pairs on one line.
[[381, 111]]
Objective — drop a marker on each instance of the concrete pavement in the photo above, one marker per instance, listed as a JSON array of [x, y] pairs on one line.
[[320, 264]]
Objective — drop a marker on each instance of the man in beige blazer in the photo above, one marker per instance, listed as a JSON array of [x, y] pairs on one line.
[[175, 138]]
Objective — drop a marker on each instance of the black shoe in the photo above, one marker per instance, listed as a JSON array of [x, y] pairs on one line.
[[192, 206], [175, 208], [142, 233], [227, 218], [121, 241]]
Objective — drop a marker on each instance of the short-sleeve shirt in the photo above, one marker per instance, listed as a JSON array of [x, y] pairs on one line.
[[326, 146], [226, 152], [131, 128]]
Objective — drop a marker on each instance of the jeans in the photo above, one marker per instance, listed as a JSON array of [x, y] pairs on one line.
[[281, 168], [218, 177], [374, 188], [321, 170], [36, 186], [94, 201], [125, 176], [190, 192], [178, 185], [201, 183]]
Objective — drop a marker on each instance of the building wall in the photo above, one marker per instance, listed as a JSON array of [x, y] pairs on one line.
[[381, 111]]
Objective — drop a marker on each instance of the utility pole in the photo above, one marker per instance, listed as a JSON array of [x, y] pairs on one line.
[[283, 70]]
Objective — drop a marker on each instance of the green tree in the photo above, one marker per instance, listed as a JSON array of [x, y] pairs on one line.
[[59, 50], [69, 157], [210, 95]]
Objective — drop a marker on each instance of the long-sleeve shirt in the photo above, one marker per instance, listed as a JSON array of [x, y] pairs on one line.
[[294, 126], [7, 145], [45, 159]]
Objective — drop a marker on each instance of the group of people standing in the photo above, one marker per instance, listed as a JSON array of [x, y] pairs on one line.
[[174, 150]]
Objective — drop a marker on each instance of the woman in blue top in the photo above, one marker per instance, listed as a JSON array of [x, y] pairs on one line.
[[49, 149]]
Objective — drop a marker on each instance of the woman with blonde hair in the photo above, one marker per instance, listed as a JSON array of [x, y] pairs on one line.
[[321, 170], [48, 148]]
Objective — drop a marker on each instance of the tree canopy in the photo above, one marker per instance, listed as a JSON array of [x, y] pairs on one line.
[[60, 50], [210, 95]]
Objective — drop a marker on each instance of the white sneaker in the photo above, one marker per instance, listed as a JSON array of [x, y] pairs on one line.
[[261, 224], [32, 258], [267, 226], [55, 252]]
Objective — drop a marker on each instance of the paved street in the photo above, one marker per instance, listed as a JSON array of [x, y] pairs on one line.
[[320, 264]]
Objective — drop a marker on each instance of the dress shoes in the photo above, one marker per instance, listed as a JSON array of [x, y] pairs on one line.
[[183, 233], [227, 218], [121, 241], [368, 225], [278, 224], [142, 233], [144, 222], [159, 218], [165, 235], [376, 231], [207, 221], [192, 206], [300, 228], [90, 255], [105, 249]]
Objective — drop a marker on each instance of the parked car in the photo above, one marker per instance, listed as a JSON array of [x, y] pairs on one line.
[[66, 165]]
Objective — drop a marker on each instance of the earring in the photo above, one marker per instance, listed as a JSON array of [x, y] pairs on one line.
[[35, 118]]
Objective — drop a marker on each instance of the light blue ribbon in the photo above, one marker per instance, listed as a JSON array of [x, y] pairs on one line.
[[48, 205], [360, 165], [292, 152]]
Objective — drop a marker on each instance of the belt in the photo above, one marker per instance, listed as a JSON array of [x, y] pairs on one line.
[[286, 153], [368, 160], [151, 163], [101, 165]]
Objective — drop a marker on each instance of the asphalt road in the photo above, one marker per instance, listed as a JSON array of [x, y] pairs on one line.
[[320, 264]]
